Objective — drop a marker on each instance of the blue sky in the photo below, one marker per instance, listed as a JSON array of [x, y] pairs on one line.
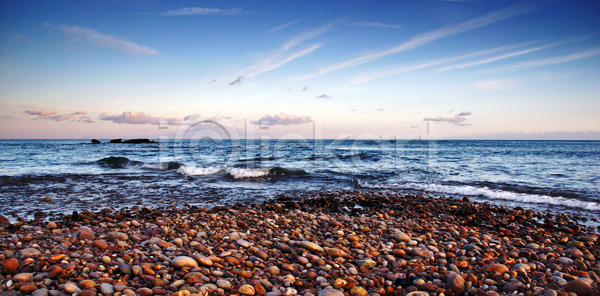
[[475, 69]]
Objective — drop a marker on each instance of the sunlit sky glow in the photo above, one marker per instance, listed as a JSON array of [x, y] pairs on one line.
[[476, 69]]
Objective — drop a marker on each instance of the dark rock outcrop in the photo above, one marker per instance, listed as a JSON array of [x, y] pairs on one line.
[[94, 141]]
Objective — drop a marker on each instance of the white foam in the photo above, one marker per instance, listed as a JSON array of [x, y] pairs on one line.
[[492, 194], [196, 171], [239, 173]]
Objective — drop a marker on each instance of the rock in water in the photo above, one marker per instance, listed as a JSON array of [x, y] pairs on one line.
[[94, 141], [184, 261], [116, 141]]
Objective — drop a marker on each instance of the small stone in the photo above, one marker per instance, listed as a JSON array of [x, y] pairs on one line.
[[71, 288], [100, 244], [417, 293], [247, 290], [23, 277], [358, 290], [86, 284], [125, 269], [499, 268], [331, 292], [184, 261], [274, 270], [116, 235], [550, 292], [28, 289], [421, 252], [202, 260], [40, 292], [144, 292], [579, 287], [401, 236], [87, 233], [223, 284], [335, 252], [30, 252], [245, 274], [106, 289], [311, 246], [242, 243], [178, 242], [11, 265], [339, 283], [456, 283], [513, 286], [284, 248], [367, 263], [182, 293]]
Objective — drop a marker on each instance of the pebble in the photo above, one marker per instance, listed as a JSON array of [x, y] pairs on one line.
[[247, 290], [106, 289], [184, 261], [330, 292], [579, 287], [71, 288], [312, 247], [30, 252], [202, 260]]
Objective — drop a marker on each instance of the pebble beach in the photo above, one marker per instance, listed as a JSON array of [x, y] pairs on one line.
[[336, 243]]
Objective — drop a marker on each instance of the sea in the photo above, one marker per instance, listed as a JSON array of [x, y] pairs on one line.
[[549, 176]]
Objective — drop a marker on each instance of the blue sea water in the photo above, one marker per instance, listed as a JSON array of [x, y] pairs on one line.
[[552, 176]]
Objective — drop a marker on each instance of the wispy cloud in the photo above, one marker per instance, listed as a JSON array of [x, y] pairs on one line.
[[278, 28], [562, 59], [323, 96], [495, 84], [282, 119], [376, 24], [365, 77], [51, 115], [205, 11], [238, 80], [426, 38], [131, 117], [305, 88], [458, 119], [40, 112], [91, 37], [283, 56]]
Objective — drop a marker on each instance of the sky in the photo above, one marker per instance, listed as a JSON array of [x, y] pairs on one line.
[[284, 69]]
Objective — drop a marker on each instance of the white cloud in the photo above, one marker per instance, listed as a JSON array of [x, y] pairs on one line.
[[131, 117], [282, 119], [431, 36], [278, 28], [376, 24], [562, 59], [205, 11], [458, 119], [496, 84], [87, 36]]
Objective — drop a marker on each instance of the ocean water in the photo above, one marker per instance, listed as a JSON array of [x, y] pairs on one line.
[[552, 176]]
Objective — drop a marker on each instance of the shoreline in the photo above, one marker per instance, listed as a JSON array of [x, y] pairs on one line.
[[354, 242]]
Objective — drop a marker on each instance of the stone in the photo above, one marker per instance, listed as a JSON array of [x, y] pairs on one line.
[[421, 252], [87, 233], [71, 289], [417, 293], [100, 244], [513, 285], [247, 290], [182, 293], [400, 236], [576, 253], [242, 243], [40, 292], [223, 284], [30, 252], [144, 292], [358, 290], [367, 263], [184, 261], [579, 287], [202, 260], [87, 284], [106, 289], [456, 283], [274, 270], [125, 269], [310, 246], [550, 292], [339, 283], [335, 252], [116, 235], [499, 268], [284, 248], [331, 292], [23, 277], [11, 265]]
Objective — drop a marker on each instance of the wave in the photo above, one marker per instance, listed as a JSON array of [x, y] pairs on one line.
[[118, 162], [238, 173], [164, 166], [467, 190]]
